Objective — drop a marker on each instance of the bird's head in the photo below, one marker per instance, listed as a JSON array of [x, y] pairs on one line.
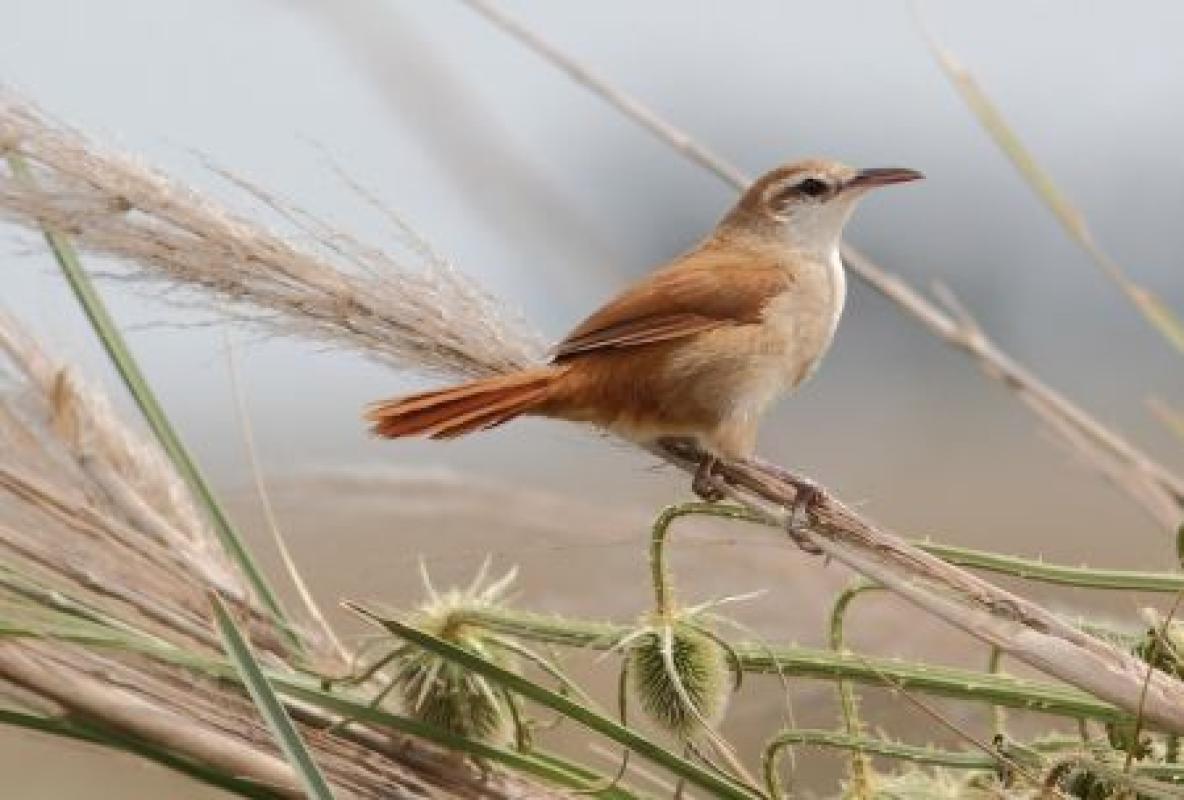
[[804, 205]]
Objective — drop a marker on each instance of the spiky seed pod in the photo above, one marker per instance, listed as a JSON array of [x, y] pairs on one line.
[[446, 695], [442, 693], [700, 666]]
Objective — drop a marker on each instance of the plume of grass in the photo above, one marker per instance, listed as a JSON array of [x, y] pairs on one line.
[[125, 363], [75, 426], [420, 314]]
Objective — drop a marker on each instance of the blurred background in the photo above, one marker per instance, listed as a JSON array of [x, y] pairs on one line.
[[554, 201]]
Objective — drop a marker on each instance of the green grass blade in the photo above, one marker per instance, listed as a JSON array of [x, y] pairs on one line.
[[716, 784], [141, 391], [1162, 318], [269, 705]]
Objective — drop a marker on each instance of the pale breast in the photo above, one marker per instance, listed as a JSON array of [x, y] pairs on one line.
[[739, 370], [801, 321]]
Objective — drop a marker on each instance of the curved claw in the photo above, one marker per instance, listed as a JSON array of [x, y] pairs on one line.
[[706, 483]]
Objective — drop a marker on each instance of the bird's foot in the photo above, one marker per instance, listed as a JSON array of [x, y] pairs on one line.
[[808, 495], [706, 483]]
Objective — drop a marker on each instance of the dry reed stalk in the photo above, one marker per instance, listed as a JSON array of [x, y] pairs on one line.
[[70, 542], [77, 693], [128, 223]]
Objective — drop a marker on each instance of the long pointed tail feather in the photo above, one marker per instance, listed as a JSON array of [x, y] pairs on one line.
[[469, 407]]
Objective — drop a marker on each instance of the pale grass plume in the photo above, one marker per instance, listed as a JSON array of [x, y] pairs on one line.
[[52, 411], [419, 313]]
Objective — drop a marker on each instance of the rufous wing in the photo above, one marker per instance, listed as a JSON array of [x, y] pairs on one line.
[[701, 292]]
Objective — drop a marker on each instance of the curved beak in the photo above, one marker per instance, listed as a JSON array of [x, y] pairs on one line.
[[882, 176]]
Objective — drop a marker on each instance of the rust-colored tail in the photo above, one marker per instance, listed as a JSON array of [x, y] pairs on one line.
[[469, 407]]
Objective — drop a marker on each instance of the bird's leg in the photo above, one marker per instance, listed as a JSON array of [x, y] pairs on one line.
[[706, 483]]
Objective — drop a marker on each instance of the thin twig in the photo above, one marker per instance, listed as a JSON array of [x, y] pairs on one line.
[[247, 430]]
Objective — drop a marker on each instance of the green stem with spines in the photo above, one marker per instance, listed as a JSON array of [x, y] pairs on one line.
[[1031, 569], [929, 756], [848, 703], [815, 663], [659, 573]]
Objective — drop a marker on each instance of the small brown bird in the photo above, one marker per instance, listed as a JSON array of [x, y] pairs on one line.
[[700, 347]]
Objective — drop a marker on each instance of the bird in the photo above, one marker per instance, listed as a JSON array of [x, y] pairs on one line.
[[698, 349]]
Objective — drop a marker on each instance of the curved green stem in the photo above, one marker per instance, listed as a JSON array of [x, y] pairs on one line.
[[809, 662], [848, 703], [1037, 570], [659, 572], [869, 744]]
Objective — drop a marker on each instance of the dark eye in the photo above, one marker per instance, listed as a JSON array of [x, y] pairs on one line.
[[813, 187]]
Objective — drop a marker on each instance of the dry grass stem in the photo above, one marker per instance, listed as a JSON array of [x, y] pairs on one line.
[[81, 694], [1165, 322], [248, 433]]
